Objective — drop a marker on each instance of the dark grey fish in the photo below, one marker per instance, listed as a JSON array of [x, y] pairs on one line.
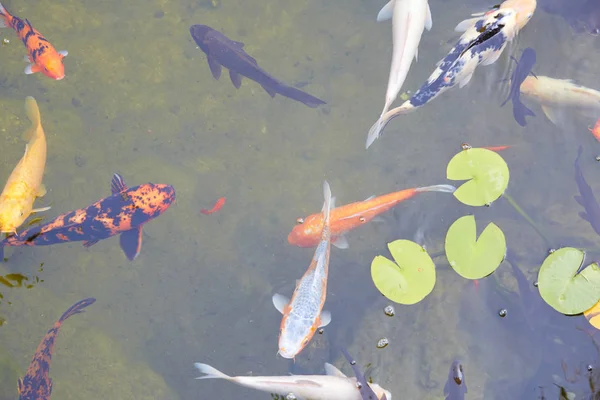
[[222, 51], [522, 70], [365, 390], [586, 198], [456, 386]]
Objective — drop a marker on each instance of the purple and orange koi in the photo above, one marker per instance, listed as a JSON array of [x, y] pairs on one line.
[[124, 213], [41, 55], [307, 232], [37, 385]]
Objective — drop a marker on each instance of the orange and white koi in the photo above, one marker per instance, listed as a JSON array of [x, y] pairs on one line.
[[333, 386], [304, 313], [41, 55], [25, 182], [345, 218]]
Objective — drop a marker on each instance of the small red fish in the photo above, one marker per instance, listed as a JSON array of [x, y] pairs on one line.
[[42, 56], [596, 130], [218, 205], [37, 385], [497, 148]]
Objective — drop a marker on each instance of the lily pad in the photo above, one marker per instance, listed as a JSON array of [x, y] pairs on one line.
[[472, 258], [564, 289], [408, 280], [593, 315], [486, 172]]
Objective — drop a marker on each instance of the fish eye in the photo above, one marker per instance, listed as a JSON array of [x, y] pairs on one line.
[[300, 221], [21, 213]]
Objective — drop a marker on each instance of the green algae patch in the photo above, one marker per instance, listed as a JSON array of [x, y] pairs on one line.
[[486, 172], [564, 289], [470, 257], [410, 278]]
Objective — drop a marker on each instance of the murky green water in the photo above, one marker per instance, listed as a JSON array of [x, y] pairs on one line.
[[139, 99]]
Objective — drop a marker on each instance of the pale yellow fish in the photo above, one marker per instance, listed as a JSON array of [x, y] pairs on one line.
[[25, 182], [593, 315]]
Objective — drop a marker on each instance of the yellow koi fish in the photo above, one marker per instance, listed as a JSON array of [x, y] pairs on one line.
[[25, 182]]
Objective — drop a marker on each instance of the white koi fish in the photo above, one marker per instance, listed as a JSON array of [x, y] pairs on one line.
[[556, 94], [482, 43], [409, 18], [304, 313], [333, 386]]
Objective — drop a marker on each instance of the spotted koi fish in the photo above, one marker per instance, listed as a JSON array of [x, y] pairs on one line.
[[37, 385], [124, 213], [483, 41], [41, 55]]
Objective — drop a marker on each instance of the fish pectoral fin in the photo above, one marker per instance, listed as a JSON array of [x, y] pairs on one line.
[[428, 19], [39, 210], [466, 24], [117, 184], [465, 80], [579, 200], [340, 242], [386, 11], [590, 113], [331, 370], [280, 302], [236, 79], [131, 242], [378, 219], [90, 243], [492, 59], [324, 319], [20, 385], [584, 216], [63, 53], [369, 198], [215, 67], [551, 114], [271, 92], [238, 44], [32, 69], [41, 192], [26, 58]]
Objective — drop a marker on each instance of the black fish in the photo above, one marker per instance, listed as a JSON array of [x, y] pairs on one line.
[[456, 386], [523, 69], [365, 390], [587, 199], [222, 51]]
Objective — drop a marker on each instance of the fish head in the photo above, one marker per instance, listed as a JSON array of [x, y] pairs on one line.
[[294, 336], [529, 86], [307, 231], [53, 67], [199, 33], [149, 201], [12, 215], [524, 10]]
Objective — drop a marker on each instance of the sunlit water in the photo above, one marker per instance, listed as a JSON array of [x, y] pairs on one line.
[[139, 99]]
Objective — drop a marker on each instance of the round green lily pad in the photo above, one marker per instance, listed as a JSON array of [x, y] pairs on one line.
[[470, 257], [486, 172], [565, 290], [408, 280]]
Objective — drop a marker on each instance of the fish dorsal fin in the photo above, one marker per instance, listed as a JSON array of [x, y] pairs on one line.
[[324, 319], [333, 371], [280, 302], [428, 19], [117, 184]]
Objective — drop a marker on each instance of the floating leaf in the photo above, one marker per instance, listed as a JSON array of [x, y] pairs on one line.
[[564, 289], [472, 258], [410, 278], [486, 172], [593, 315]]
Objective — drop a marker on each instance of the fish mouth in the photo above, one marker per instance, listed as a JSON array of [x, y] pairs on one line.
[[60, 78]]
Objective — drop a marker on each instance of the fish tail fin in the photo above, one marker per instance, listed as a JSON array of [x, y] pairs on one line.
[[299, 95], [376, 130], [327, 203], [211, 372], [76, 308], [437, 188], [33, 113], [520, 111]]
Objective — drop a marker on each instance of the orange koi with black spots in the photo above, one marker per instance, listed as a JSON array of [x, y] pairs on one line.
[[41, 55], [37, 385], [124, 213]]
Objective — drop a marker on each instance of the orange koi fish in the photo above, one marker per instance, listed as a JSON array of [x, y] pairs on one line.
[[37, 385], [218, 205], [596, 130], [307, 233], [41, 55]]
